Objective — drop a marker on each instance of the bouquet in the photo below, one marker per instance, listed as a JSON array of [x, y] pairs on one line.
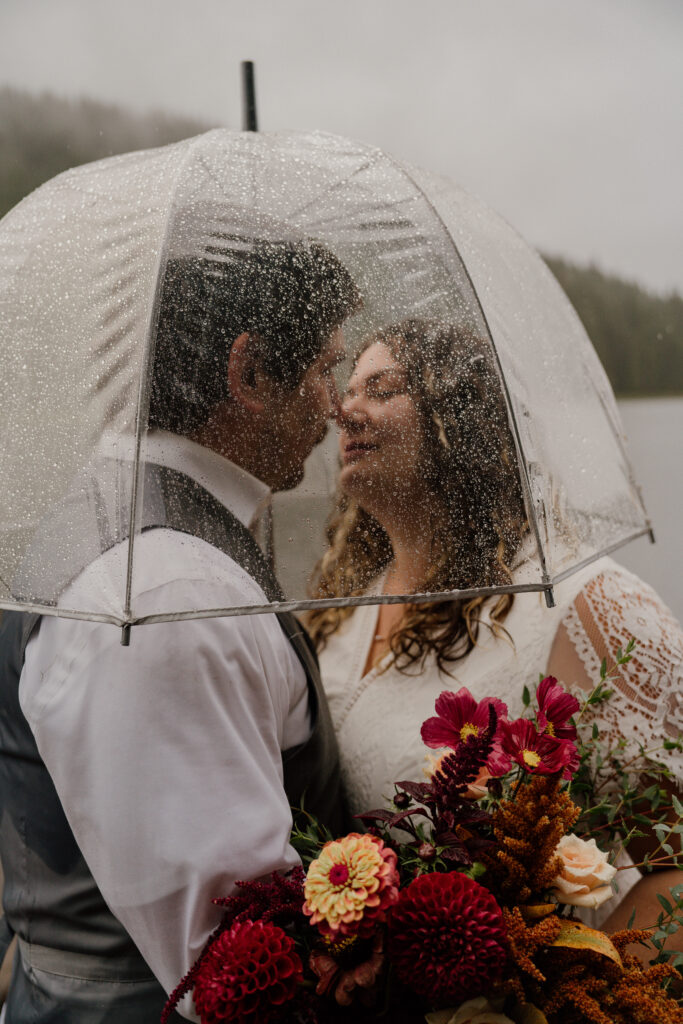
[[458, 904]]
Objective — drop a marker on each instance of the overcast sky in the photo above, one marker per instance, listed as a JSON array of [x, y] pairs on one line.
[[564, 115]]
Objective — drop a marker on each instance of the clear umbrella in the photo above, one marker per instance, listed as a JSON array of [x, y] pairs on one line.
[[94, 313]]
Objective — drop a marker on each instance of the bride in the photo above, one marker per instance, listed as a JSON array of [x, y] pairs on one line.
[[430, 500]]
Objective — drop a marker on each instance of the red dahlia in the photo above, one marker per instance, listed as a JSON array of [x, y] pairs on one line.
[[248, 971], [447, 937]]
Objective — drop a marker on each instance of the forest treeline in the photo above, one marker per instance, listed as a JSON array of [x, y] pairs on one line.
[[637, 333]]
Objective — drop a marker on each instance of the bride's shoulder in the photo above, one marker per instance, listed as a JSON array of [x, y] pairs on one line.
[[612, 598], [611, 607], [608, 606]]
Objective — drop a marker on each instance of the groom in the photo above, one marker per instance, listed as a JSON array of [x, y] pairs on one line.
[[174, 761]]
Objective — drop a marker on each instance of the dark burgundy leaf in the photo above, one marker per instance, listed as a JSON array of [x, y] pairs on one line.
[[405, 814], [378, 815], [418, 790]]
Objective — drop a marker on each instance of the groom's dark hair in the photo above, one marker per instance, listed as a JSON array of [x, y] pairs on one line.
[[291, 295]]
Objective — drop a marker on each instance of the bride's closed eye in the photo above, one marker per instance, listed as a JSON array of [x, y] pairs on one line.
[[386, 386], [386, 393]]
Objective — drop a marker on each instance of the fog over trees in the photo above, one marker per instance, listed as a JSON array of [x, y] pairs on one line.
[[637, 333]]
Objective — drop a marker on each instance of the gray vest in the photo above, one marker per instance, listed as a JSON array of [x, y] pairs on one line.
[[76, 962]]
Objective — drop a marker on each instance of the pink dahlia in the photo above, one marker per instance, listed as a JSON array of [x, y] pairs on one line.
[[537, 752], [555, 708], [350, 886], [248, 971], [458, 718], [447, 937]]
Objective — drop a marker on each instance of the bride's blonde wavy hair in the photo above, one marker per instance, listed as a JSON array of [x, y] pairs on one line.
[[471, 467]]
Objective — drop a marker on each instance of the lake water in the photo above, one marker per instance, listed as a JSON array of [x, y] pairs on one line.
[[654, 427]]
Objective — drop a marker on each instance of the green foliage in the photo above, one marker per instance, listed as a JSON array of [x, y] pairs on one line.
[[608, 786], [637, 334], [41, 136], [308, 836], [616, 809], [668, 922]]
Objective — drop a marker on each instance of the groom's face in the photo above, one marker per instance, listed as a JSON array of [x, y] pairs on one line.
[[299, 417]]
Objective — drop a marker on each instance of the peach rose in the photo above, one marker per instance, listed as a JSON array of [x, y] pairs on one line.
[[474, 1011], [584, 880]]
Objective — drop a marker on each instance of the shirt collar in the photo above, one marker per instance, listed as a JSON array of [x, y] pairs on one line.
[[239, 491]]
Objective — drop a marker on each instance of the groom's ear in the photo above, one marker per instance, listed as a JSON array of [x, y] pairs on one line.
[[246, 378]]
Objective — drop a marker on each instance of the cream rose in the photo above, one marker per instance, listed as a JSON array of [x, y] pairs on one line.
[[474, 1011], [584, 880]]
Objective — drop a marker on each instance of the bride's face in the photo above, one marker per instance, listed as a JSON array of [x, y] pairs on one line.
[[380, 442]]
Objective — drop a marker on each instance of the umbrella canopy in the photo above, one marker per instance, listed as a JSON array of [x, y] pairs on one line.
[[115, 275]]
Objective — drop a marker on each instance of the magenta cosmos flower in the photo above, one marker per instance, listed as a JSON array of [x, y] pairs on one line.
[[555, 708], [537, 752], [460, 717]]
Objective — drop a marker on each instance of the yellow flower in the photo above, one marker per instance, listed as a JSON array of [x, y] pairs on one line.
[[351, 884]]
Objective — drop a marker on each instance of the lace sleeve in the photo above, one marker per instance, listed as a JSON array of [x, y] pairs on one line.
[[647, 704]]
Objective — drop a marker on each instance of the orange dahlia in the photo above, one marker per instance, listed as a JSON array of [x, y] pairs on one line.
[[350, 886]]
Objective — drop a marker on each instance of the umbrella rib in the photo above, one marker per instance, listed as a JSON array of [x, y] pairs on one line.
[[144, 375], [603, 552], [339, 602], [369, 162], [547, 581], [635, 489]]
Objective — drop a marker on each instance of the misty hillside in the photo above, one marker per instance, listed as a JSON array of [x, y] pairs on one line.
[[638, 334], [40, 136]]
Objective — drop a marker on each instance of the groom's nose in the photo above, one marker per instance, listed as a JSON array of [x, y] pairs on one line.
[[334, 400]]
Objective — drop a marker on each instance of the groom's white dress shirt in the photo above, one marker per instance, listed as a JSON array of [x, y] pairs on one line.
[[166, 754]]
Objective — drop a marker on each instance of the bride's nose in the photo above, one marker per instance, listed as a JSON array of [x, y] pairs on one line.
[[352, 413]]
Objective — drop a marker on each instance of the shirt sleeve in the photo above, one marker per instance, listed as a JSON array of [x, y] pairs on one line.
[[166, 757], [646, 707]]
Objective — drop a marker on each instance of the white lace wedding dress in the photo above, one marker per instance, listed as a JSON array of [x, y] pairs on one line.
[[378, 715]]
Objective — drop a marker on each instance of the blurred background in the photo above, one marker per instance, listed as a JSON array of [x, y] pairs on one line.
[[566, 119]]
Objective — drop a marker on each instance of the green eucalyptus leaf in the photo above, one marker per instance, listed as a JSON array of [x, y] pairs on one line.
[[665, 903]]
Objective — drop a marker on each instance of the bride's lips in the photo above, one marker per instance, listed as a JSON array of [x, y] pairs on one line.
[[354, 450]]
